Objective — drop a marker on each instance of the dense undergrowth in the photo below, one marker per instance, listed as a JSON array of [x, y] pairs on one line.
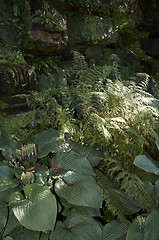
[[73, 155], [67, 167]]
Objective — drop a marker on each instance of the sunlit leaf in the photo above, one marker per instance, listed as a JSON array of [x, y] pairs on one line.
[[38, 210], [72, 161]]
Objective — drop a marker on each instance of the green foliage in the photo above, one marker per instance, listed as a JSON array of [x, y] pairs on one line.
[[47, 186], [16, 19], [49, 17], [81, 3]]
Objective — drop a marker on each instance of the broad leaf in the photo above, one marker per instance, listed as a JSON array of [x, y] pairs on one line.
[[77, 227], [115, 230], [93, 212], [8, 147], [72, 161], [147, 164], [3, 215], [45, 236], [5, 195], [49, 141], [93, 154], [25, 234], [157, 188], [37, 212], [12, 224], [79, 189], [41, 176], [157, 144], [7, 180], [135, 231], [152, 226], [131, 206], [153, 189]]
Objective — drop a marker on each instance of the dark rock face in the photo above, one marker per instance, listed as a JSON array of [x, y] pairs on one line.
[[151, 46], [47, 43], [16, 79]]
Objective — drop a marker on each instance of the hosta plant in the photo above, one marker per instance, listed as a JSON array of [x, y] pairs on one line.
[[47, 181], [48, 191]]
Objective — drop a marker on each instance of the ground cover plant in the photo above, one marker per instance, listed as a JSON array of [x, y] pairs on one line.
[[64, 183], [67, 168]]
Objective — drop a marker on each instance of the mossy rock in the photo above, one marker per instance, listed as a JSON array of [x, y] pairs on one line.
[[90, 28], [16, 79]]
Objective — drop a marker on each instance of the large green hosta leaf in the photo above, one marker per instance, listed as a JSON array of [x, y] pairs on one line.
[[25, 234], [115, 230], [8, 147], [12, 224], [77, 227], [79, 189], [93, 154], [93, 212], [7, 180], [37, 212], [130, 206], [72, 161], [147, 164], [49, 141], [135, 231], [3, 215], [152, 226]]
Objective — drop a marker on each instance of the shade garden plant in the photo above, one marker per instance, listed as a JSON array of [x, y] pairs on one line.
[[48, 190]]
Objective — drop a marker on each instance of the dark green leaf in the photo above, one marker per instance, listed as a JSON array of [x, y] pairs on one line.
[[115, 230], [152, 226], [8, 147], [7, 180], [72, 161], [3, 215], [79, 189], [25, 234], [12, 225], [48, 141], [135, 231], [77, 227]]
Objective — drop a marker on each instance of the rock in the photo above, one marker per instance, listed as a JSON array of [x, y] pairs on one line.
[[151, 46], [16, 79], [46, 43]]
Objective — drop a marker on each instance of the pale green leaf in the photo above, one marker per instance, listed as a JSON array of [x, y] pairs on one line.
[[157, 144], [147, 164], [37, 212]]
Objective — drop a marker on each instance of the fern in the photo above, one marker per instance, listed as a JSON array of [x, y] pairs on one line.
[[130, 183]]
